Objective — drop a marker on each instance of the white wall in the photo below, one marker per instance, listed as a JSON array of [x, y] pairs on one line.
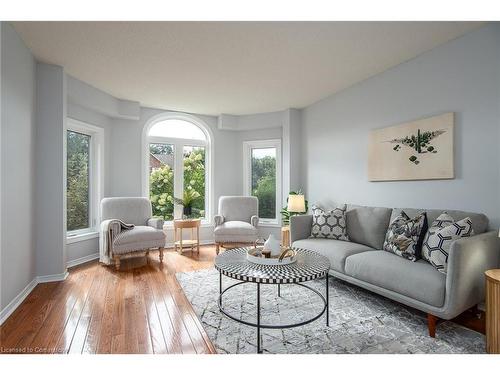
[[17, 165], [462, 76], [50, 181]]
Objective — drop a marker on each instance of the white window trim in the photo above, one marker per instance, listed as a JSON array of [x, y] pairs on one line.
[[96, 188], [247, 174], [179, 143]]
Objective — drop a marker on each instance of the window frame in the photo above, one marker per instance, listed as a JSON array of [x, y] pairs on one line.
[[179, 144], [96, 170], [248, 146]]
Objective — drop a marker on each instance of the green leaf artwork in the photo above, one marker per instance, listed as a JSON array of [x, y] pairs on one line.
[[419, 142]]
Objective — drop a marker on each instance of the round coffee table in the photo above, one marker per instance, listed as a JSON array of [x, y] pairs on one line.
[[309, 266]]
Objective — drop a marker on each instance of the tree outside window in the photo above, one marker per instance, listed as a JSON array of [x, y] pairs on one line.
[[78, 181]]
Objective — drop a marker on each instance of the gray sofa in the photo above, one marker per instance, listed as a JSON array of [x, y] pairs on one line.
[[416, 284]]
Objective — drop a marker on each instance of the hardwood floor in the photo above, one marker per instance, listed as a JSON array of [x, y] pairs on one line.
[[139, 309]]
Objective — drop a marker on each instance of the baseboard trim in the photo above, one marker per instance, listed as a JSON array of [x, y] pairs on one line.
[[52, 278], [85, 259], [14, 304]]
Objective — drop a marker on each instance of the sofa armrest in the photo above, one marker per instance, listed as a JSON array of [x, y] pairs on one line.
[[254, 220], [469, 258], [218, 220], [300, 227], [156, 223]]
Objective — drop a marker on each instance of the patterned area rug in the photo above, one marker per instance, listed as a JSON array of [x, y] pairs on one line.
[[360, 321]]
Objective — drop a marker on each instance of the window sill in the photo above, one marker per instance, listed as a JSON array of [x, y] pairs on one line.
[[82, 237], [271, 225]]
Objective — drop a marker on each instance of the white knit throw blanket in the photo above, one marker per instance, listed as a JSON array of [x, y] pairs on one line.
[[109, 230]]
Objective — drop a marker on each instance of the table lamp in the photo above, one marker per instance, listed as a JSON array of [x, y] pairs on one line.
[[296, 203]]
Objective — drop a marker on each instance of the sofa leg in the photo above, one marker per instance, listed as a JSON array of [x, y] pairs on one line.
[[117, 263], [217, 248], [161, 254], [431, 324]]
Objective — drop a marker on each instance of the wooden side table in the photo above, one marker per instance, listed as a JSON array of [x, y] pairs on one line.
[[285, 236], [194, 225], [493, 311]]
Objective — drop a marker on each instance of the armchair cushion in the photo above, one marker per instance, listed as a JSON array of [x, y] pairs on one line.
[[235, 231], [137, 239], [156, 223]]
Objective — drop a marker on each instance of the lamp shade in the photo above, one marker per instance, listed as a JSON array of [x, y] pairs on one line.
[[296, 203]]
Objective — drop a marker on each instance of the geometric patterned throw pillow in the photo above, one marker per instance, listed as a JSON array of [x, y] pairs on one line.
[[437, 245], [442, 221], [404, 236], [329, 224]]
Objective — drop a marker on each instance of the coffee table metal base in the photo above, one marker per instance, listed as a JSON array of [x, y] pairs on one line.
[[258, 325]]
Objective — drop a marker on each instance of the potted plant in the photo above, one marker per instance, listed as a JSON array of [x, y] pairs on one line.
[[188, 198], [285, 214]]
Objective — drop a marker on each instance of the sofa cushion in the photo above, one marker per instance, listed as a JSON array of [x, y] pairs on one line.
[[329, 224], [418, 280], [479, 221], [367, 225], [336, 251], [405, 236]]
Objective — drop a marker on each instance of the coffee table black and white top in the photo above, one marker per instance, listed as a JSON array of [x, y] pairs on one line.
[[309, 266]]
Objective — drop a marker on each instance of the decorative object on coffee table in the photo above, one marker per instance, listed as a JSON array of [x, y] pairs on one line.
[[417, 150], [179, 242], [273, 245], [257, 256], [493, 311], [309, 265]]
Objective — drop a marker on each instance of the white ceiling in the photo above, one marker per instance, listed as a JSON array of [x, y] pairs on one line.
[[230, 67]]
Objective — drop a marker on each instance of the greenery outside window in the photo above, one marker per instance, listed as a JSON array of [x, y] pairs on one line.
[[83, 182], [178, 169], [262, 177]]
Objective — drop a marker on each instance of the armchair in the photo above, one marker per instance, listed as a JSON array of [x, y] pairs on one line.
[[237, 221], [127, 229]]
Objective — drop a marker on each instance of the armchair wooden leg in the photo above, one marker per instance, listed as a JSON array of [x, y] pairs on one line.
[[217, 248], [431, 324], [117, 262], [161, 254]]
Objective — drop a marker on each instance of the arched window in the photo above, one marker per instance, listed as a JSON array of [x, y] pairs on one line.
[[178, 167]]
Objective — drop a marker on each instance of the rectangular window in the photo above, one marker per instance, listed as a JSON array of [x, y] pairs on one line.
[[161, 179], [84, 152], [194, 182], [263, 177], [78, 181]]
